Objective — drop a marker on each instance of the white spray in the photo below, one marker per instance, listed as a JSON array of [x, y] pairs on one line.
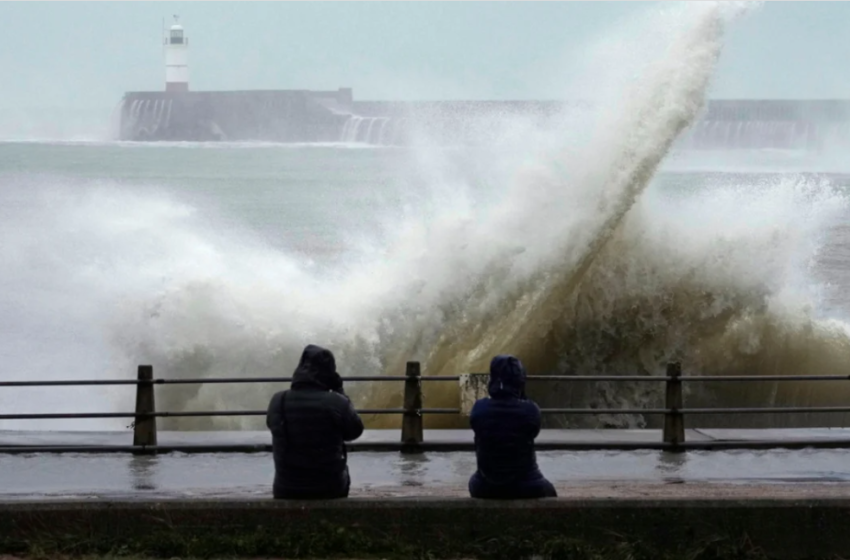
[[546, 264]]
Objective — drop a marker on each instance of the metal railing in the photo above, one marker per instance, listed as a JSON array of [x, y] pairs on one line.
[[412, 412]]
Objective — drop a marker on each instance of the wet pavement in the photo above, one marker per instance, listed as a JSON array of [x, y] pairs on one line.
[[35, 475], [178, 475]]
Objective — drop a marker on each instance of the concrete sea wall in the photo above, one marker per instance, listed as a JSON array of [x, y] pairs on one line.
[[719, 523], [725, 124], [272, 116], [334, 116]]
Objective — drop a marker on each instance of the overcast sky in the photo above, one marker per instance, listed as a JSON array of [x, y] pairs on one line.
[[85, 55]]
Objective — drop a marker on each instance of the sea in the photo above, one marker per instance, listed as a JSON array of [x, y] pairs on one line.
[[221, 260]]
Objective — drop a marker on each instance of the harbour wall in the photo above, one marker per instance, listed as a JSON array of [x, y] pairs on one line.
[[334, 116], [273, 116]]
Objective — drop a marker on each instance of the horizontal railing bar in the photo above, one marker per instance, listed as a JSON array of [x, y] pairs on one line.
[[190, 448], [61, 383], [591, 411], [765, 410], [659, 378], [201, 413], [765, 378], [601, 411], [46, 416], [221, 380], [717, 445], [402, 411], [643, 378], [429, 378], [207, 380], [227, 380]]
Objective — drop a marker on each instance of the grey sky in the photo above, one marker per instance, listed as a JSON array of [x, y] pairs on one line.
[[85, 55]]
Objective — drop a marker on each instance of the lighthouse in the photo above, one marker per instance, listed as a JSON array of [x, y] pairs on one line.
[[176, 58]]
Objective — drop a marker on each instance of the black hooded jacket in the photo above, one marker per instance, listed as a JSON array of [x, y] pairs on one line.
[[310, 424], [505, 426]]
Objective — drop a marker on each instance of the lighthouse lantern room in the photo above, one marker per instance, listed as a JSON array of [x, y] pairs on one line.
[[176, 58]]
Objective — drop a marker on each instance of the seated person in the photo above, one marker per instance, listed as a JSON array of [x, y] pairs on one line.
[[505, 425], [310, 424]]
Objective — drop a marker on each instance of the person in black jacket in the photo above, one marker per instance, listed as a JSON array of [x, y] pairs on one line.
[[310, 424], [505, 425]]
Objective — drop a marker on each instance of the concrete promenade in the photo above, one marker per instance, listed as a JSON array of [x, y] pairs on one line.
[[623, 500]]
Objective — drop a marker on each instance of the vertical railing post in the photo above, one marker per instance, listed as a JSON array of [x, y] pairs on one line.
[[144, 428], [674, 420], [411, 423]]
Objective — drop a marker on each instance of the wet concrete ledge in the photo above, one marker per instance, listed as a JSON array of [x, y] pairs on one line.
[[803, 522]]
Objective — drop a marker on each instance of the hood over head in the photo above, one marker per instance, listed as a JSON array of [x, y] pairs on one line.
[[317, 368], [507, 377]]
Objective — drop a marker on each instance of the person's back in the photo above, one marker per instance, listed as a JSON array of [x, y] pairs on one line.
[[505, 426], [310, 424]]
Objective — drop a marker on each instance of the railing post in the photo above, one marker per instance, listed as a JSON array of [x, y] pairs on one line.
[[144, 427], [411, 423], [674, 420]]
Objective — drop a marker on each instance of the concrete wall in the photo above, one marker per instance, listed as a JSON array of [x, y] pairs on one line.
[[276, 116], [725, 124], [331, 116], [434, 528]]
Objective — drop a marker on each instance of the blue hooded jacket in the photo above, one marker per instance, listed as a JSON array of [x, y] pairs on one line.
[[505, 425]]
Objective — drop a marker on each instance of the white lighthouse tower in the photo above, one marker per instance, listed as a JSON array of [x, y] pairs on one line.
[[176, 59]]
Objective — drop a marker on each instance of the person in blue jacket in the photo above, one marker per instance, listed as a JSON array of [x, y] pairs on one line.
[[505, 425]]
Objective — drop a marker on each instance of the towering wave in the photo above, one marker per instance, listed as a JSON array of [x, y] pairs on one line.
[[454, 290], [520, 293]]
